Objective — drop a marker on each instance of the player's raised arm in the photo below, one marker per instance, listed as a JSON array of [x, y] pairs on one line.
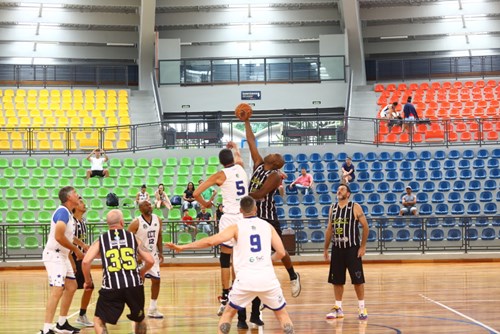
[[228, 234], [254, 152], [215, 179]]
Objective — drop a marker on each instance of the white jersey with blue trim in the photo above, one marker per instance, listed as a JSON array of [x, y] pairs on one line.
[[234, 188], [60, 214]]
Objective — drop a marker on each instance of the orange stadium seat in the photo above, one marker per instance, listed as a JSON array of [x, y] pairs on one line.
[[492, 135], [435, 85], [466, 136], [452, 136], [480, 83], [379, 88]]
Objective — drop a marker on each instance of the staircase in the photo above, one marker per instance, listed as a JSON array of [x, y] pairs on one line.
[[142, 109], [363, 104]]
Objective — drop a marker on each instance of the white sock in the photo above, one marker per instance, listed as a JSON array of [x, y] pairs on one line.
[[47, 327], [338, 303], [152, 304], [61, 320], [361, 304]]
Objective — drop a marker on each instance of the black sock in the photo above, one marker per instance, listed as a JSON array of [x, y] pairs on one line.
[[242, 315], [255, 308], [291, 273], [82, 312]]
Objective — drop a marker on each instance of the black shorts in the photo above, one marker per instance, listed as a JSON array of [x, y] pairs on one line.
[[80, 279], [111, 303], [342, 259], [276, 225], [97, 173]]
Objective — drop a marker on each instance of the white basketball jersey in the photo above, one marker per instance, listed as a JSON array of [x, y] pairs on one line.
[[252, 255], [234, 188], [148, 232], [52, 244]]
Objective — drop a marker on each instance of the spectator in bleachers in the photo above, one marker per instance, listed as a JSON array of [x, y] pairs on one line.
[[142, 195], [189, 200], [410, 116], [161, 198], [97, 164], [219, 212], [281, 189], [409, 202], [187, 223], [204, 218], [391, 115], [348, 171], [303, 182], [209, 194]]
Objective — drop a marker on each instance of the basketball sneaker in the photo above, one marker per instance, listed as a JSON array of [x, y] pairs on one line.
[[257, 322], [296, 287], [49, 332], [155, 314], [335, 313], [84, 321], [223, 301], [363, 314], [242, 324], [66, 328]]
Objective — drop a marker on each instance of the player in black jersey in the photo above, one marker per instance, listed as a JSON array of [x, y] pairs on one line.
[[122, 281], [264, 184], [343, 230]]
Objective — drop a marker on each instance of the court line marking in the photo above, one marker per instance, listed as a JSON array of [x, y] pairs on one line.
[[460, 314]]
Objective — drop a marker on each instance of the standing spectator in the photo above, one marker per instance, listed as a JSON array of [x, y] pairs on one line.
[[189, 200], [209, 193], [204, 218], [161, 200], [122, 280], [303, 182], [409, 202], [344, 219], [187, 222], [348, 171], [219, 212], [142, 196], [56, 261], [410, 116], [97, 164]]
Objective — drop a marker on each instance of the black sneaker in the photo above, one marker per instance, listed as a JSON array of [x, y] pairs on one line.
[[242, 324], [49, 332], [66, 328], [257, 322]]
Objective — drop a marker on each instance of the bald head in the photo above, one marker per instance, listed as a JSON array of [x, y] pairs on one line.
[[114, 218]]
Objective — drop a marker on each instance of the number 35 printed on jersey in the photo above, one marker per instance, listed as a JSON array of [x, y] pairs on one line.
[[122, 258]]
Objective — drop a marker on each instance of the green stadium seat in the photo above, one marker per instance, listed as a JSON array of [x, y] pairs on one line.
[[102, 192], [81, 172], [113, 173], [12, 217], [28, 217], [96, 204], [4, 163], [27, 193], [108, 182], [49, 183], [45, 163], [127, 203], [168, 181], [182, 181], [199, 161], [211, 170], [196, 178], [142, 162], [31, 163], [156, 162], [73, 163], [183, 171], [198, 171], [192, 212], [4, 183], [93, 216], [201, 235], [31, 242], [184, 238], [49, 204], [153, 172], [38, 173], [33, 205], [67, 172], [23, 172], [44, 217], [151, 182], [42, 193], [120, 192], [132, 192], [94, 183], [17, 163], [123, 182], [34, 183], [115, 163], [52, 173], [79, 183], [65, 182], [167, 237], [129, 163], [19, 183], [159, 213], [168, 171], [125, 172], [4, 206], [13, 242], [9, 173], [88, 193], [85, 164], [174, 214], [213, 161], [136, 182], [139, 172], [54, 193], [11, 193], [127, 216], [58, 163], [186, 161], [171, 162], [179, 191]]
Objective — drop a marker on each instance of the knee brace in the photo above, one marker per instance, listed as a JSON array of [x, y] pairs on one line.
[[225, 260]]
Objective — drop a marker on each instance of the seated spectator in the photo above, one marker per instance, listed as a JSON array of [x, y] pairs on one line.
[[409, 203], [391, 115], [187, 223], [142, 196], [219, 212], [410, 116], [209, 194], [348, 171], [303, 182], [161, 198], [97, 164], [204, 218], [189, 201]]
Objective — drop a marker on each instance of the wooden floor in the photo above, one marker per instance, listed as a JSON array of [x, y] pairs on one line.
[[401, 298]]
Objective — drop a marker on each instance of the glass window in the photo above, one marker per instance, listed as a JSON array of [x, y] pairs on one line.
[[305, 69], [196, 71], [252, 69], [170, 72], [278, 69], [225, 70], [332, 68]]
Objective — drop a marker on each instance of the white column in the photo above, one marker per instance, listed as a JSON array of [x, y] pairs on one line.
[[352, 22], [146, 43]]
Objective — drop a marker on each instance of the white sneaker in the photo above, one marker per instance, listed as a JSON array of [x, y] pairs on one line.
[[153, 313], [84, 321], [295, 285]]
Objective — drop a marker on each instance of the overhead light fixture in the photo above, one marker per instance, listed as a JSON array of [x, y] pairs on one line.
[[120, 44], [186, 43], [303, 40], [394, 37]]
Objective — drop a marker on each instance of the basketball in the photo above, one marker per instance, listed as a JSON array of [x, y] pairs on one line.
[[243, 111]]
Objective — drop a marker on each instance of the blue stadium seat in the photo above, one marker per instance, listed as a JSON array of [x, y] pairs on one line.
[[383, 187], [393, 210], [449, 164], [488, 234], [468, 154], [384, 156], [449, 174], [332, 167], [471, 234], [315, 157], [454, 234], [457, 209], [372, 236], [459, 185], [482, 222], [358, 198], [454, 154], [473, 209], [483, 154], [373, 199], [448, 221], [324, 211], [301, 158], [492, 163], [428, 186], [281, 213], [294, 212], [437, 197], [419, 235], [442, 209], [365, 209], [314, 224], [354, 188], [437, 235], [390, 198], [318, 167], [398, 187], [382, 223], [363, 177], [362, 167], [290, 177], [415, 186], [421, 175], [317, 236], [474, 185], [403, 235], [420, 165], [291, 191], [292, 200], [378, 176], [387, 236], [326, 199], [495, 173], [464, 164], [444, 186], [328, 157], [454, 197], [283, 224], [309, 200], [278, 200], [341, 156], [480, 174], [289, 168], [288, 158], [464, 221], [391, 166], [311, 212], [440, 155], [303, 165], [425, 210], [399, 223], [425, 155], [397, 156], [319, 177], [371, 156], [377, 210], [432, 222], [490, 209], [469, 197], [406, 175], [465, 174], [368, 187], [478, 163], [434, 165], [392, 176], [376, 166], [358, 156], [416, 222], [422, 198], [495, 221], [411, 156], [498, 196], [301, 237], [333, 177], [334, 187], [322, 189], [490, 185], [405, 165]]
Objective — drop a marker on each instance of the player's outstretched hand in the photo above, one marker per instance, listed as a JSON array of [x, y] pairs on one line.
[[173, 247], [231, 145]]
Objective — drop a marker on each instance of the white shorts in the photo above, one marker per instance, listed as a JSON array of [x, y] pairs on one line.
[[227, 220], [272, 299], [58, 269], [154, 272]]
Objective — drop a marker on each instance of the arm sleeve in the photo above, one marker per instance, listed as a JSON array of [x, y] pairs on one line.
[[61, 215]]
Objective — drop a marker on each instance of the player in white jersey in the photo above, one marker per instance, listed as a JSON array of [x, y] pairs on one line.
[[56, 260], [255, 276], [233, 182], [147, 228]]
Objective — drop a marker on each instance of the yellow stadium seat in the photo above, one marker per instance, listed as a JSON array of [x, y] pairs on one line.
[[124, 121], [111, 92], [20, 106], [32, 93], [35, 113], [112, 99], [44, 145], [19, 99], [54, 106], [78, 100], [25, 121], [100, 92], [32, 100], [89, 106], [8, 92], [18, 145], [121, 145], [44, 93], [122, 93], [112, 106], [55, 92], [72, 113], [43, 106], [37, 121], [4, 136], [108, 145], [43, 99], [50, 121], [48, 113], [22, 113], [67, 99], [59, 113], [88, 121], [12, 121], [88, 143], [4, 145], [16, 135], [20, 92], [66, 93], [56, 135], [83, 113], [109, 113], [74, 121], [2, 121], [94, 135], [89, 99], [77, 93], [100, 99], [62, 121], [112, 121], [41, 135], [95, 113], [77, 106], [123, 99], [32, 106], [6, 99], [100, 121], [56, 100], [89, 93], [10, 113], [100, 106], [110, 135], [123, 113], [80, 135], [57, 145], [66, 106]]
